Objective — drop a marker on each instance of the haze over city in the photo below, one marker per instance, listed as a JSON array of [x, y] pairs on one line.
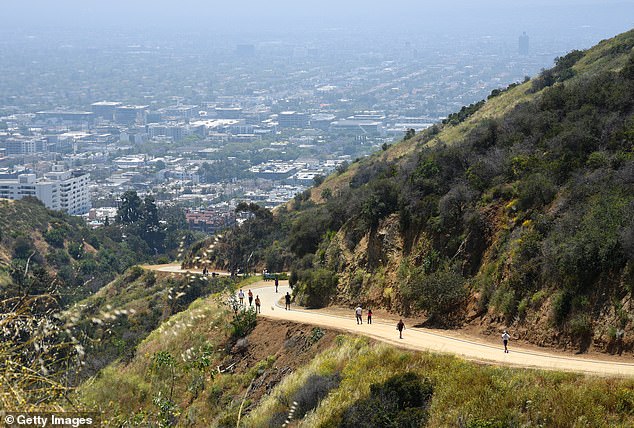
[[289, 213]]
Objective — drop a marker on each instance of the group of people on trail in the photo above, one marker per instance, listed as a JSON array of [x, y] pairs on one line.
[[359, 314], [257, 301], [400, 326]]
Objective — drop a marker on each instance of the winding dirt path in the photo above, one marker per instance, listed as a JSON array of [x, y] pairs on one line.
[[422, 339]]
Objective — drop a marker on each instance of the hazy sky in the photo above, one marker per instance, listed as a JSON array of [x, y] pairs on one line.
[[272, 14], [555, 26]]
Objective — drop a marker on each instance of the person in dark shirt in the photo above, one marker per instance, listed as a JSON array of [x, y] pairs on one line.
[[400, 327], [287, 300]]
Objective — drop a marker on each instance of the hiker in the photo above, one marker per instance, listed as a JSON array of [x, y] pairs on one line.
[[287, 300], [400, 327], [359, 315], [250, 298], [619, 340], [505, 340], [369, 316], [241, 297], [277, 282], [257, 305]]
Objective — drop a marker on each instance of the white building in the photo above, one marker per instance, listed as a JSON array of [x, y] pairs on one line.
[[58, 190]]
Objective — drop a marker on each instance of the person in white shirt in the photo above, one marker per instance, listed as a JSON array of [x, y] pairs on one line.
[[359, 314], [505, 340], [241, 297]]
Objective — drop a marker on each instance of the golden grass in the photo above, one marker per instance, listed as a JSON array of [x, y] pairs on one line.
[[464, 392]]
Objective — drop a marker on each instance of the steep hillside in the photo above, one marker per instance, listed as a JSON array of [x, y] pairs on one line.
[[203, 368], [516, 211], [48, 262], [48, 251]]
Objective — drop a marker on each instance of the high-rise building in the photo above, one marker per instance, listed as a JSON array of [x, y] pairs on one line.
[[59, 190], [523, 44], [130, 115], [105, 109], [292, 119]]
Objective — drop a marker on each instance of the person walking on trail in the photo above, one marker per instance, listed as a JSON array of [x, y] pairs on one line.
[[359, 314], [369, 316], [250, 298], [277, 282], [241, 297], [287, 300], [505, 340], [619, 340], [257, 305], [400, 327]]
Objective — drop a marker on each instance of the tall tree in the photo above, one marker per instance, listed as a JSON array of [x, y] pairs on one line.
[[130, 209]]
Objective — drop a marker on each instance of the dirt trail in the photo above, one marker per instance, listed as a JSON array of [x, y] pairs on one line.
[[422, 339]]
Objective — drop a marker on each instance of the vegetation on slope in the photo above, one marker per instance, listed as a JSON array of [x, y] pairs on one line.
[[195, 368], [518, 211], [190, 373], [50, 260], [439, 391]]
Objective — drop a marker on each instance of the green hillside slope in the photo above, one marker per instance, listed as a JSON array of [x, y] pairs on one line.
[[517, 211], [196, 371]]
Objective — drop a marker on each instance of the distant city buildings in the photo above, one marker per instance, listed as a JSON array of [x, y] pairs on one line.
[[59, 190], [210, 220], [293, 119]]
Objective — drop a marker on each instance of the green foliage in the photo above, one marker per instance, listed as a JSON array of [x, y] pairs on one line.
[[130, 208], [55, 237], [244, 321], [463, 114], [400, 402], [560, 304], [440, 294], [315, 287], [562, 71]]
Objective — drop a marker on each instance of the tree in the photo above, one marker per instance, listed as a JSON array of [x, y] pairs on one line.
[[130, 209], [153, 232]]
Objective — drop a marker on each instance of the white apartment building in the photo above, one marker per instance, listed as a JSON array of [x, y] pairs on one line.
[[59, 190]]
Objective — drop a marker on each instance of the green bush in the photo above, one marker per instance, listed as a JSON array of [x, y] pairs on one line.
[[315, 389], [316, 287], [440, 294], [560, 306], [400, 402], [54, 237], [580, 326], [244, 321]]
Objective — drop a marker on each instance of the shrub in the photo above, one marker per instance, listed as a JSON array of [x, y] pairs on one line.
[[560, 306], [313, 391], [316, 287], [54, 237], [580, 326], [400, 402], [440, 293], [243, 323]]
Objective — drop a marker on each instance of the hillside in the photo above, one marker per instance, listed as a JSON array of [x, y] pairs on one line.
[[516, 212], [63, 255], [50, 261], [205, 367]]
